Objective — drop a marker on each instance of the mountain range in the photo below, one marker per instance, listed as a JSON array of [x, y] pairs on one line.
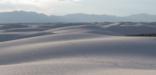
[[33, 17]]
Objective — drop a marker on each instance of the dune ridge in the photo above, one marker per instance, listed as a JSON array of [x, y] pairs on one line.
[[78, 50]]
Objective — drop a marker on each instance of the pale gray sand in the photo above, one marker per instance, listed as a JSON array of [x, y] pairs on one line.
[[81, 52]]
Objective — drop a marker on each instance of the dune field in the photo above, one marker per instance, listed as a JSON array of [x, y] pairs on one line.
[[77, 49]]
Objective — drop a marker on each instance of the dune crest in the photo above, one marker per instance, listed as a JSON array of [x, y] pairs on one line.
[[78, 50]]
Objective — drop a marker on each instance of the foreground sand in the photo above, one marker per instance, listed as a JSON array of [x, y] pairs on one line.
[[78, 51]]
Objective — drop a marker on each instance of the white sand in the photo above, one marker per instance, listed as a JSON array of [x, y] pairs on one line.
[[78, 53]]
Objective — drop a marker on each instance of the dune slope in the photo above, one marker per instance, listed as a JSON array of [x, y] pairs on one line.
[[81, 52]]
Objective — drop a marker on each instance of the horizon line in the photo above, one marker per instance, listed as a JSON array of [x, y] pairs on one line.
[[74, 13]]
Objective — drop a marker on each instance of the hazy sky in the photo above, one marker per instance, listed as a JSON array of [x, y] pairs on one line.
[[61, 7]]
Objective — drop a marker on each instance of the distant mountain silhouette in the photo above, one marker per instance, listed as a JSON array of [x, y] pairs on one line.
[[33, 17], [142, 17]]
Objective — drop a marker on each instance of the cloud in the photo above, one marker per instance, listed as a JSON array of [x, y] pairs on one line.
[[71, 0], [61, 7], [44, 6]]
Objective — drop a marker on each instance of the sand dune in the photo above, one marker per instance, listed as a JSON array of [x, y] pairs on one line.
[[78, 50]]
